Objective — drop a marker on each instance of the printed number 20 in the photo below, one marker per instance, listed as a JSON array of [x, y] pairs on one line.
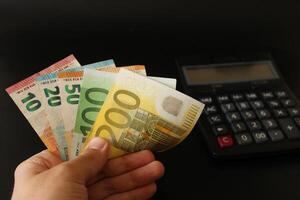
[[54, 100]]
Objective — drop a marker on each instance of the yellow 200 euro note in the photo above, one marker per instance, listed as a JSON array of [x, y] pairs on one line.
[[140, 113]]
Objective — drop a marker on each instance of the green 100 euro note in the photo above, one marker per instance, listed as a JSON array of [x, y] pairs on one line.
[[94, 88], [140, 113], [70, 86]]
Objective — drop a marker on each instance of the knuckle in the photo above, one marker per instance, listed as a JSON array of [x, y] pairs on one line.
[[149, 155], [64, 170], [109, 186], [135, 179], [126, 163], [19, 169]]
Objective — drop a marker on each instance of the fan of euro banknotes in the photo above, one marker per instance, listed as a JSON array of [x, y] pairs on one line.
[[68, 104]]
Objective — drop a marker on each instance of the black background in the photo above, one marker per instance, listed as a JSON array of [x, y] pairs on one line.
[[35, 34]]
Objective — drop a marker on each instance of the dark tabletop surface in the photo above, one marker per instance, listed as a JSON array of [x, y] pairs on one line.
[[34, 34]]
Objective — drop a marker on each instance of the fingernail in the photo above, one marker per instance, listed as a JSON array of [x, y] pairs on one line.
[[97, 143]]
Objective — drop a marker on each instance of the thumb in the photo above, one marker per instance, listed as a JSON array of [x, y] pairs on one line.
[[90, 163]]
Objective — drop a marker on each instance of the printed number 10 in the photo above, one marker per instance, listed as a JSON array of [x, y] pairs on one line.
[[31, 103]]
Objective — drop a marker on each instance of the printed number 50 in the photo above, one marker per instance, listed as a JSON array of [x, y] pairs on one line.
[[73, 98]]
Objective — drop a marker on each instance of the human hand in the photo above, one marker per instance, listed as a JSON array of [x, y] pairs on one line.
[[89, 176]]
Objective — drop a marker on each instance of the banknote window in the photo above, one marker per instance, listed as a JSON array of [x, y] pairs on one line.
[[163, 138], [137, 125], [172, 105], [142, 115], [132, 135]]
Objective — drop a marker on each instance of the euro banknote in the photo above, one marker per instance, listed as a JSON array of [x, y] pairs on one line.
[[70, 86], [48, 84], [102, 80], [140, 113], [28, 97], [94, 88]]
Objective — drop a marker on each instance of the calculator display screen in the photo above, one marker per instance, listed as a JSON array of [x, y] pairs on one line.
[[229, 73]]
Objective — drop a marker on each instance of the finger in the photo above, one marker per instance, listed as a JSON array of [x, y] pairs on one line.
[[124, 164], [87, 165], [37, 164], [126, 182], [142, 193]]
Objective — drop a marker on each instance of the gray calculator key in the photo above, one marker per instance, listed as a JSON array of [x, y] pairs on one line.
[[248, 115], [294, 112], [215, 119], [206, 100], [228, 107], [254, 125], [210, 109], [223, 98], [243, 138], [237, 97], [220, 130], [280, 113], [281, 94], [288, 102], [260, 136], [269, 124], [257, 104], [251, 96], [276, 135], [238, 127], [274, 104], [267, 95], [243, 105], [263, 114], [233, 116], [297, 120], [289, 128]]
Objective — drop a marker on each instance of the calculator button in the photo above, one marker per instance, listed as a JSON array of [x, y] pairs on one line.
[[274, 104], [243, 139], [254, 125], [294, 112], [280, 113], [251, 96], [269, 124], [263, 114], [238, 127], [248, 115], [288, 103], [223, 98], [234, 116], [276, 135], [260, 136], [243, 105], [220, 130], [257, 104], [210, 109], [228, 107], [281, 94], [267, 95], [297, 121], [237, 97], [215, 119], [289, 128], [206, 100], [225, 141]]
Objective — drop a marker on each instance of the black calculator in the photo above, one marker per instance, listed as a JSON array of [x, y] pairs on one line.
[[249, 109]]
